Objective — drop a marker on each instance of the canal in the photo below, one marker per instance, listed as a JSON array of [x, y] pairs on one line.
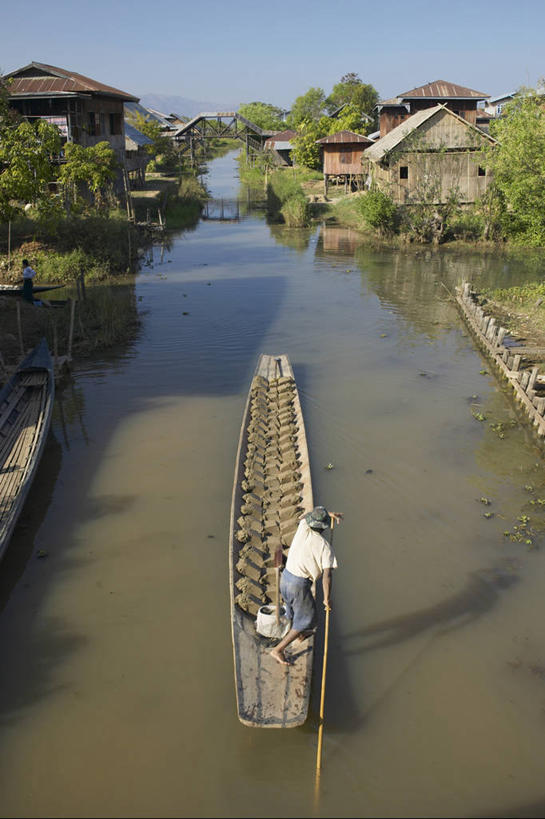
[[117, 692]]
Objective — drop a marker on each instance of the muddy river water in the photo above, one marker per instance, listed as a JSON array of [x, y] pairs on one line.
[[116, 690]]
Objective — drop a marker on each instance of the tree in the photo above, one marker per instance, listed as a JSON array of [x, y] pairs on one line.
[[518, 165], [350, 119], [161, 145], [93, 167], [308, 106], [306, 152], [263, 114], [26, 151], [352, 90]]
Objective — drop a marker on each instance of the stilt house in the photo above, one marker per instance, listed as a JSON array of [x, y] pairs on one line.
[[428, 157], [458, 99], [342, 158], [84, 110]]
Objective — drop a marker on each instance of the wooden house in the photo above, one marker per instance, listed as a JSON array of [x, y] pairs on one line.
[[458, 99], [136, 155], [342, 157], [84, 110], [430, 155], [281, 145]]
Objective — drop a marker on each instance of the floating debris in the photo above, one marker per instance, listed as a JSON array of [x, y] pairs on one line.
[[329, 466]]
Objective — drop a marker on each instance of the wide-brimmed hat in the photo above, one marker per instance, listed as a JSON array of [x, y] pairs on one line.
[[319, 518]]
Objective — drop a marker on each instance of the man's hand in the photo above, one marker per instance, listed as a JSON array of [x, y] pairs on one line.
[[336, 516], [327, 605]]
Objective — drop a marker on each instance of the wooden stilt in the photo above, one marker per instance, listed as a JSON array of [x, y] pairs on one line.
[[71, 331], [20, 330]]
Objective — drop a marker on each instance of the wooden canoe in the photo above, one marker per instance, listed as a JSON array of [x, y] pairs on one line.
[[272, 489], [26, 405], [17, 290]]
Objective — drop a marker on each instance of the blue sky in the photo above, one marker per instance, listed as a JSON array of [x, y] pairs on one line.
[[239, 51]]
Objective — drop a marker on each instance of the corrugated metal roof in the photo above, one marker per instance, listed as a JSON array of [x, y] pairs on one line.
[[510, 96], [134, 138], [150, 114], [343, 137], [391, 140], [280, 136], [391, 101], [55, 81], [283, 145], [440, 89]]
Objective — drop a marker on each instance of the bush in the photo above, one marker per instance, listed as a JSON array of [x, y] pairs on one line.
[[379, 211], [467, 225], [285, 198], [296, 211]]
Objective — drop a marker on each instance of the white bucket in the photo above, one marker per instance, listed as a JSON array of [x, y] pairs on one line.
[[267, 625]]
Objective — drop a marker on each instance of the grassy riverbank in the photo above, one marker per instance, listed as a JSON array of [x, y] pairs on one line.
[[107, 318], [103, 250]]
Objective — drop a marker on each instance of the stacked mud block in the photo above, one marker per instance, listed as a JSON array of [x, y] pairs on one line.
[[515, 364], [270, 509]]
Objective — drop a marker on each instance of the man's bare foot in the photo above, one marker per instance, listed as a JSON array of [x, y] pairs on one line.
[[279, 656]]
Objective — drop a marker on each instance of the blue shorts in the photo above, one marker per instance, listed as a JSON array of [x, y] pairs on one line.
[[299, 600]]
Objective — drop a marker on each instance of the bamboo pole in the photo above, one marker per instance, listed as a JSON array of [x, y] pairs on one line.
[[322, 695]]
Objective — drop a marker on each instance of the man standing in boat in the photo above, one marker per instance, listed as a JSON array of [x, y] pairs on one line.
[[28, 275], [310, 557]]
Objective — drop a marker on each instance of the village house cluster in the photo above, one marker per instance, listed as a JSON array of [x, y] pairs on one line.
[[437, 130]]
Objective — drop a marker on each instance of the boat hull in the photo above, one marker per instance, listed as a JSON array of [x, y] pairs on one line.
[[26, 406], [269, 695]]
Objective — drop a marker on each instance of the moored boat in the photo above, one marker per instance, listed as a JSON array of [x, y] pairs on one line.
[[272, 489], [26, 406], [17, 290]]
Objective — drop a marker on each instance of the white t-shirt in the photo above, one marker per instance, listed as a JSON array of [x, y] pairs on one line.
[[309, 553], [28, 273]]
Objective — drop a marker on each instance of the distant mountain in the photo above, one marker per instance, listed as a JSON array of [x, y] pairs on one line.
[[168, 104]]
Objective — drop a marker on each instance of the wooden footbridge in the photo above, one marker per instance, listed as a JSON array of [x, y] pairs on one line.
[[220, 125]]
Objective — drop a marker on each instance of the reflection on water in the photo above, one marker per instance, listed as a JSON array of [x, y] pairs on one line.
[[117, 687]]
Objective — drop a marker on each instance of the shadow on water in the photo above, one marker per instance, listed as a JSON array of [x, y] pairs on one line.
[[480, 594], [37, 645], [213, 352], [210, 335]]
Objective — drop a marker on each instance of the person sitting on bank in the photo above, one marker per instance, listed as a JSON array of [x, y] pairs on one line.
[[28, 275], [310, 557]]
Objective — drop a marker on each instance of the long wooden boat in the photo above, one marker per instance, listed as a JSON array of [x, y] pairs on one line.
[[26, 405], [17, 290], [272, 489]]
